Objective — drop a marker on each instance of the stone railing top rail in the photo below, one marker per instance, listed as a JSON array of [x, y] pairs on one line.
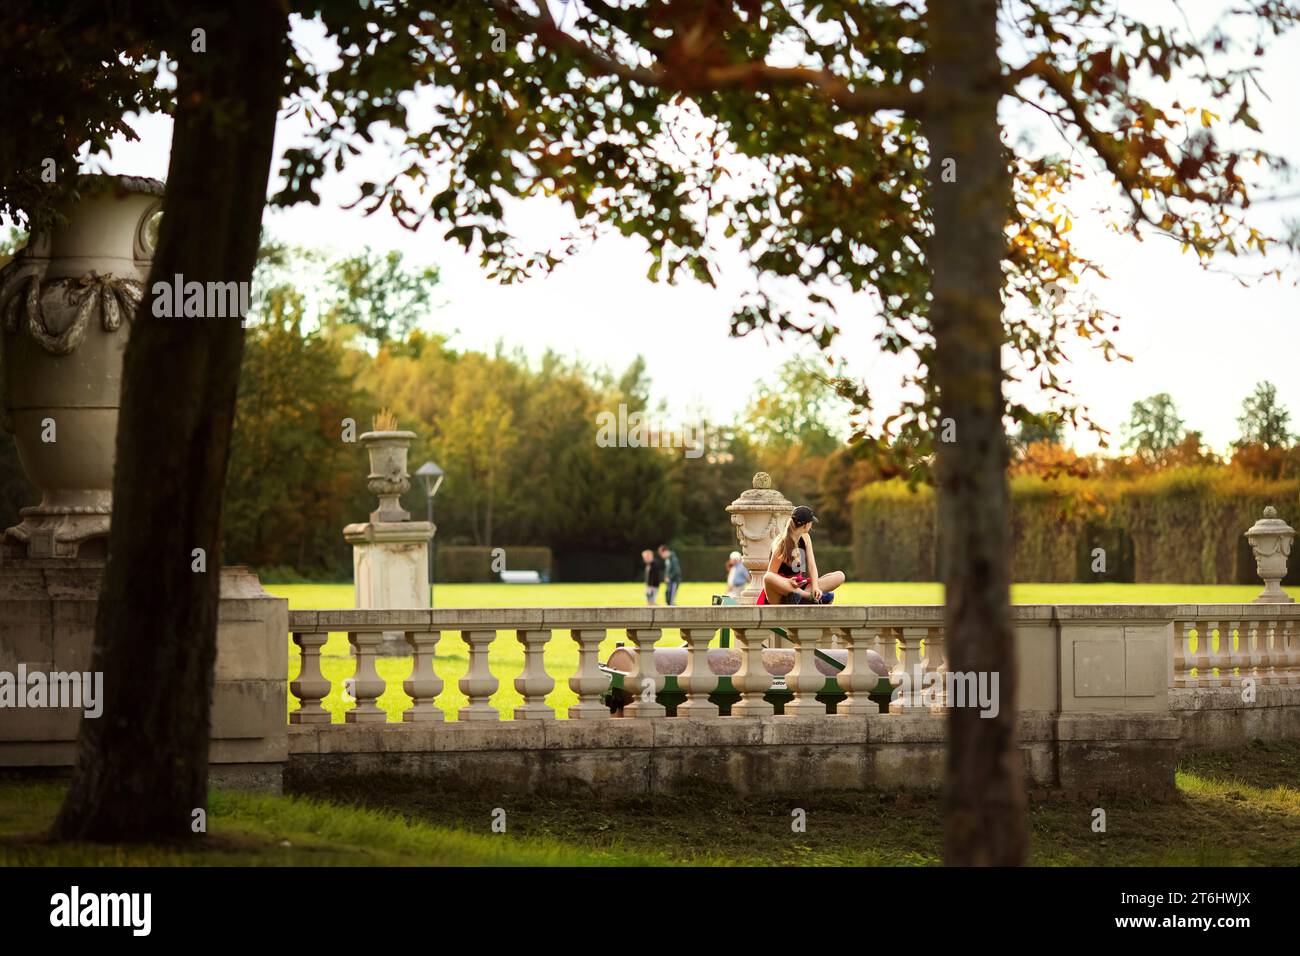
[[847, 615]]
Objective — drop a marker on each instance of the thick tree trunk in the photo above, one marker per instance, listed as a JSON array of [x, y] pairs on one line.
[[985, 803], [142, 767]]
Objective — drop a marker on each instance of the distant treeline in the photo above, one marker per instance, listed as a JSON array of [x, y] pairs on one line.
[[528, 468]]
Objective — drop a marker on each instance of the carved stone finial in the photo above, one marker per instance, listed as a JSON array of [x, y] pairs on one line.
[[1270, 539], [762, 480]]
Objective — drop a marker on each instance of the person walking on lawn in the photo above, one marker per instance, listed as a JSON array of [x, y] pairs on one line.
[[792, 576], [654, 573], [672, 573]]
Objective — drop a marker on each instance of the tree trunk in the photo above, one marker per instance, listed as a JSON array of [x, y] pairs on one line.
[[985, 802], [142, 767]]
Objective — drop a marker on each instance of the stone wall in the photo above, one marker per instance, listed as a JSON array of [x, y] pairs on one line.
[[1076, 753], [47, 622]]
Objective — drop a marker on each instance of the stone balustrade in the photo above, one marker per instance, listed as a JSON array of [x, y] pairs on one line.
[[905, 638], [1071, 658], [1223, 645], [1105, 696]]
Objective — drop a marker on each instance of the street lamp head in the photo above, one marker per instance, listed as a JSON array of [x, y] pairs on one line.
[[432, 476]]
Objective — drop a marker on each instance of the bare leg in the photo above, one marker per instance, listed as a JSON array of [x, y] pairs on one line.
[[776, 587], [830, 580]]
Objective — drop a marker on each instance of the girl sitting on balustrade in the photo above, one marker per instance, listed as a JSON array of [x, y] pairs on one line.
[[792, 576]]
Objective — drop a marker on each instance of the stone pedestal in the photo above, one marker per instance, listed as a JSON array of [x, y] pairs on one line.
[[390, 570], [759, 515], [47, 623]]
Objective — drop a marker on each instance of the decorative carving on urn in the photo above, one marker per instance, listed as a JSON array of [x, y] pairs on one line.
[[758, 516], [66, 304], [71, 302], [1270, 538]]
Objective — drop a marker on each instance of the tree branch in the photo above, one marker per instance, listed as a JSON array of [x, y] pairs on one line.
[[753, 75], [1111, 152]]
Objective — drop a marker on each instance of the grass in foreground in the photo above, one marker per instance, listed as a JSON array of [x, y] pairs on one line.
[[252, 830], [1234, 808]]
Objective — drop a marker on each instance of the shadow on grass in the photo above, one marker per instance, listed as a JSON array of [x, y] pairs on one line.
[[1233, 808]]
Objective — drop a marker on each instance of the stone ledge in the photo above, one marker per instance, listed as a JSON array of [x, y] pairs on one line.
[[625, 732], [1183, 699], [1117, 727]]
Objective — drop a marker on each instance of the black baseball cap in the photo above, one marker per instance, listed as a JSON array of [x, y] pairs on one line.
[[802, 515]]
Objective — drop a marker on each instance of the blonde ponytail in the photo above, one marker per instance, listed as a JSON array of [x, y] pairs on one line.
[[786, 543]]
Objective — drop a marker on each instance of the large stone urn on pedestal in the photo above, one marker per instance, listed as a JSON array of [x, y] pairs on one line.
[[67, 302], [759, 515], [1270, 538], [390, 552]]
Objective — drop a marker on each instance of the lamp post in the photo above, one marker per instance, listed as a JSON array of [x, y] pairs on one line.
[[432, 477]]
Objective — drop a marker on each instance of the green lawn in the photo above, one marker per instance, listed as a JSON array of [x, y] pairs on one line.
[[1234, 808], [507, 660], [253, 830]]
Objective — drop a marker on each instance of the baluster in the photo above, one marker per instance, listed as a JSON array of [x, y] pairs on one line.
[[534, 683], [645, 676], [1229, 658], [698, 681], [805, 681], [1290, 659], [1223, 656], [1188, 656], [857, 680], [936, 664], [887, 647], [1220, 655], [1179, 657], [1266, 632], [367, 685], [1204, 638], [1182, 654], [910, 666], [311, 687], [589, 682], [1257, 637], [1216, 656], [753, 679], [478, 684], [424, 685]]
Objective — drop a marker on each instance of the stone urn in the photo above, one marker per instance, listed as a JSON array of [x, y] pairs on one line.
[[1270, 538], [67, 302], [390, 552], [388, 479], [759, 515]]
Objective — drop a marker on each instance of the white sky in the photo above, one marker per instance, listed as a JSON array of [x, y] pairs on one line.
[[1198, 336]]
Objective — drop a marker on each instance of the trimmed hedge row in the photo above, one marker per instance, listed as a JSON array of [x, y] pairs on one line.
[[465, 564], [1181, 526], [710, 564]]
